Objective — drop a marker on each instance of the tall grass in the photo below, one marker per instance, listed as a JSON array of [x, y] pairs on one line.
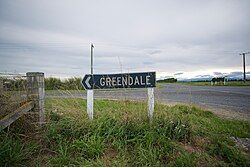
[[122, 128], [143, 143], [121, 135], [14, 152]]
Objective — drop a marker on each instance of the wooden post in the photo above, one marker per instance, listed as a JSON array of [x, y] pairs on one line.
[[150, 103], [90, 100], [36, 93], [1, 84]]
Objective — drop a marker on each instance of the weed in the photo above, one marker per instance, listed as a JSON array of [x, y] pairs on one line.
[[13, 152]]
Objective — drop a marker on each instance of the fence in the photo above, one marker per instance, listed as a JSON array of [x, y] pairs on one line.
[[21, 94]]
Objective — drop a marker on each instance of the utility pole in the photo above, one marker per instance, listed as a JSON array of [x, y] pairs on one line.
[[244, 65]]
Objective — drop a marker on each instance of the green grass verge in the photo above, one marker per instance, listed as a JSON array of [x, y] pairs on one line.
[[122, 135]]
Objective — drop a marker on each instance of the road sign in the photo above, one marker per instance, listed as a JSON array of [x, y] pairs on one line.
[[123, 80]]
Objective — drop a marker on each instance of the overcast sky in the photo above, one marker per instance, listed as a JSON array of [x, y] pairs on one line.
[[186, 38]]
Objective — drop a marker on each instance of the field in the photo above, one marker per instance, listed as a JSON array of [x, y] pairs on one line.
[[229, 83], [122, 135]]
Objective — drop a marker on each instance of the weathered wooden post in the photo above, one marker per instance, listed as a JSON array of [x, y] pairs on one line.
[[36, 93], [1, 84]]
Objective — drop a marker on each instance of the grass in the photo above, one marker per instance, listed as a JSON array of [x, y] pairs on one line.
[[14, 152], [229, 83], [122, 135]]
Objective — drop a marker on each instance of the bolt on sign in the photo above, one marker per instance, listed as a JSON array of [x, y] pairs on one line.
[[124, 80]]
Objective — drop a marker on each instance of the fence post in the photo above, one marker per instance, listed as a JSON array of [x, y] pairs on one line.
[[36, 93], [1, 84]]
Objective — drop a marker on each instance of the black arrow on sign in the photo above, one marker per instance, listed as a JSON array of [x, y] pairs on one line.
[[87, 82]]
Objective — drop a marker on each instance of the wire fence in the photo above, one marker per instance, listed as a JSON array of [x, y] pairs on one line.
[[13, 92]]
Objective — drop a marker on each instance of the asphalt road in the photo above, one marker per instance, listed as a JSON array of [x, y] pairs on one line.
[[224, 100]]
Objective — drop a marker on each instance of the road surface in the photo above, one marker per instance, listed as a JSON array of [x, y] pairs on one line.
[[223, 100]]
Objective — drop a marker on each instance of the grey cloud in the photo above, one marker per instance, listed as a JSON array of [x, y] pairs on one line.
[[155, 52], [164, 35], [148, 63], [203, 76], [179, 73]]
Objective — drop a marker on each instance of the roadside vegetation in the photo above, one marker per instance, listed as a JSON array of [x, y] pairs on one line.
[[167, 80], [67, 84], [207, 83], [51, 83], [122, 135]]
